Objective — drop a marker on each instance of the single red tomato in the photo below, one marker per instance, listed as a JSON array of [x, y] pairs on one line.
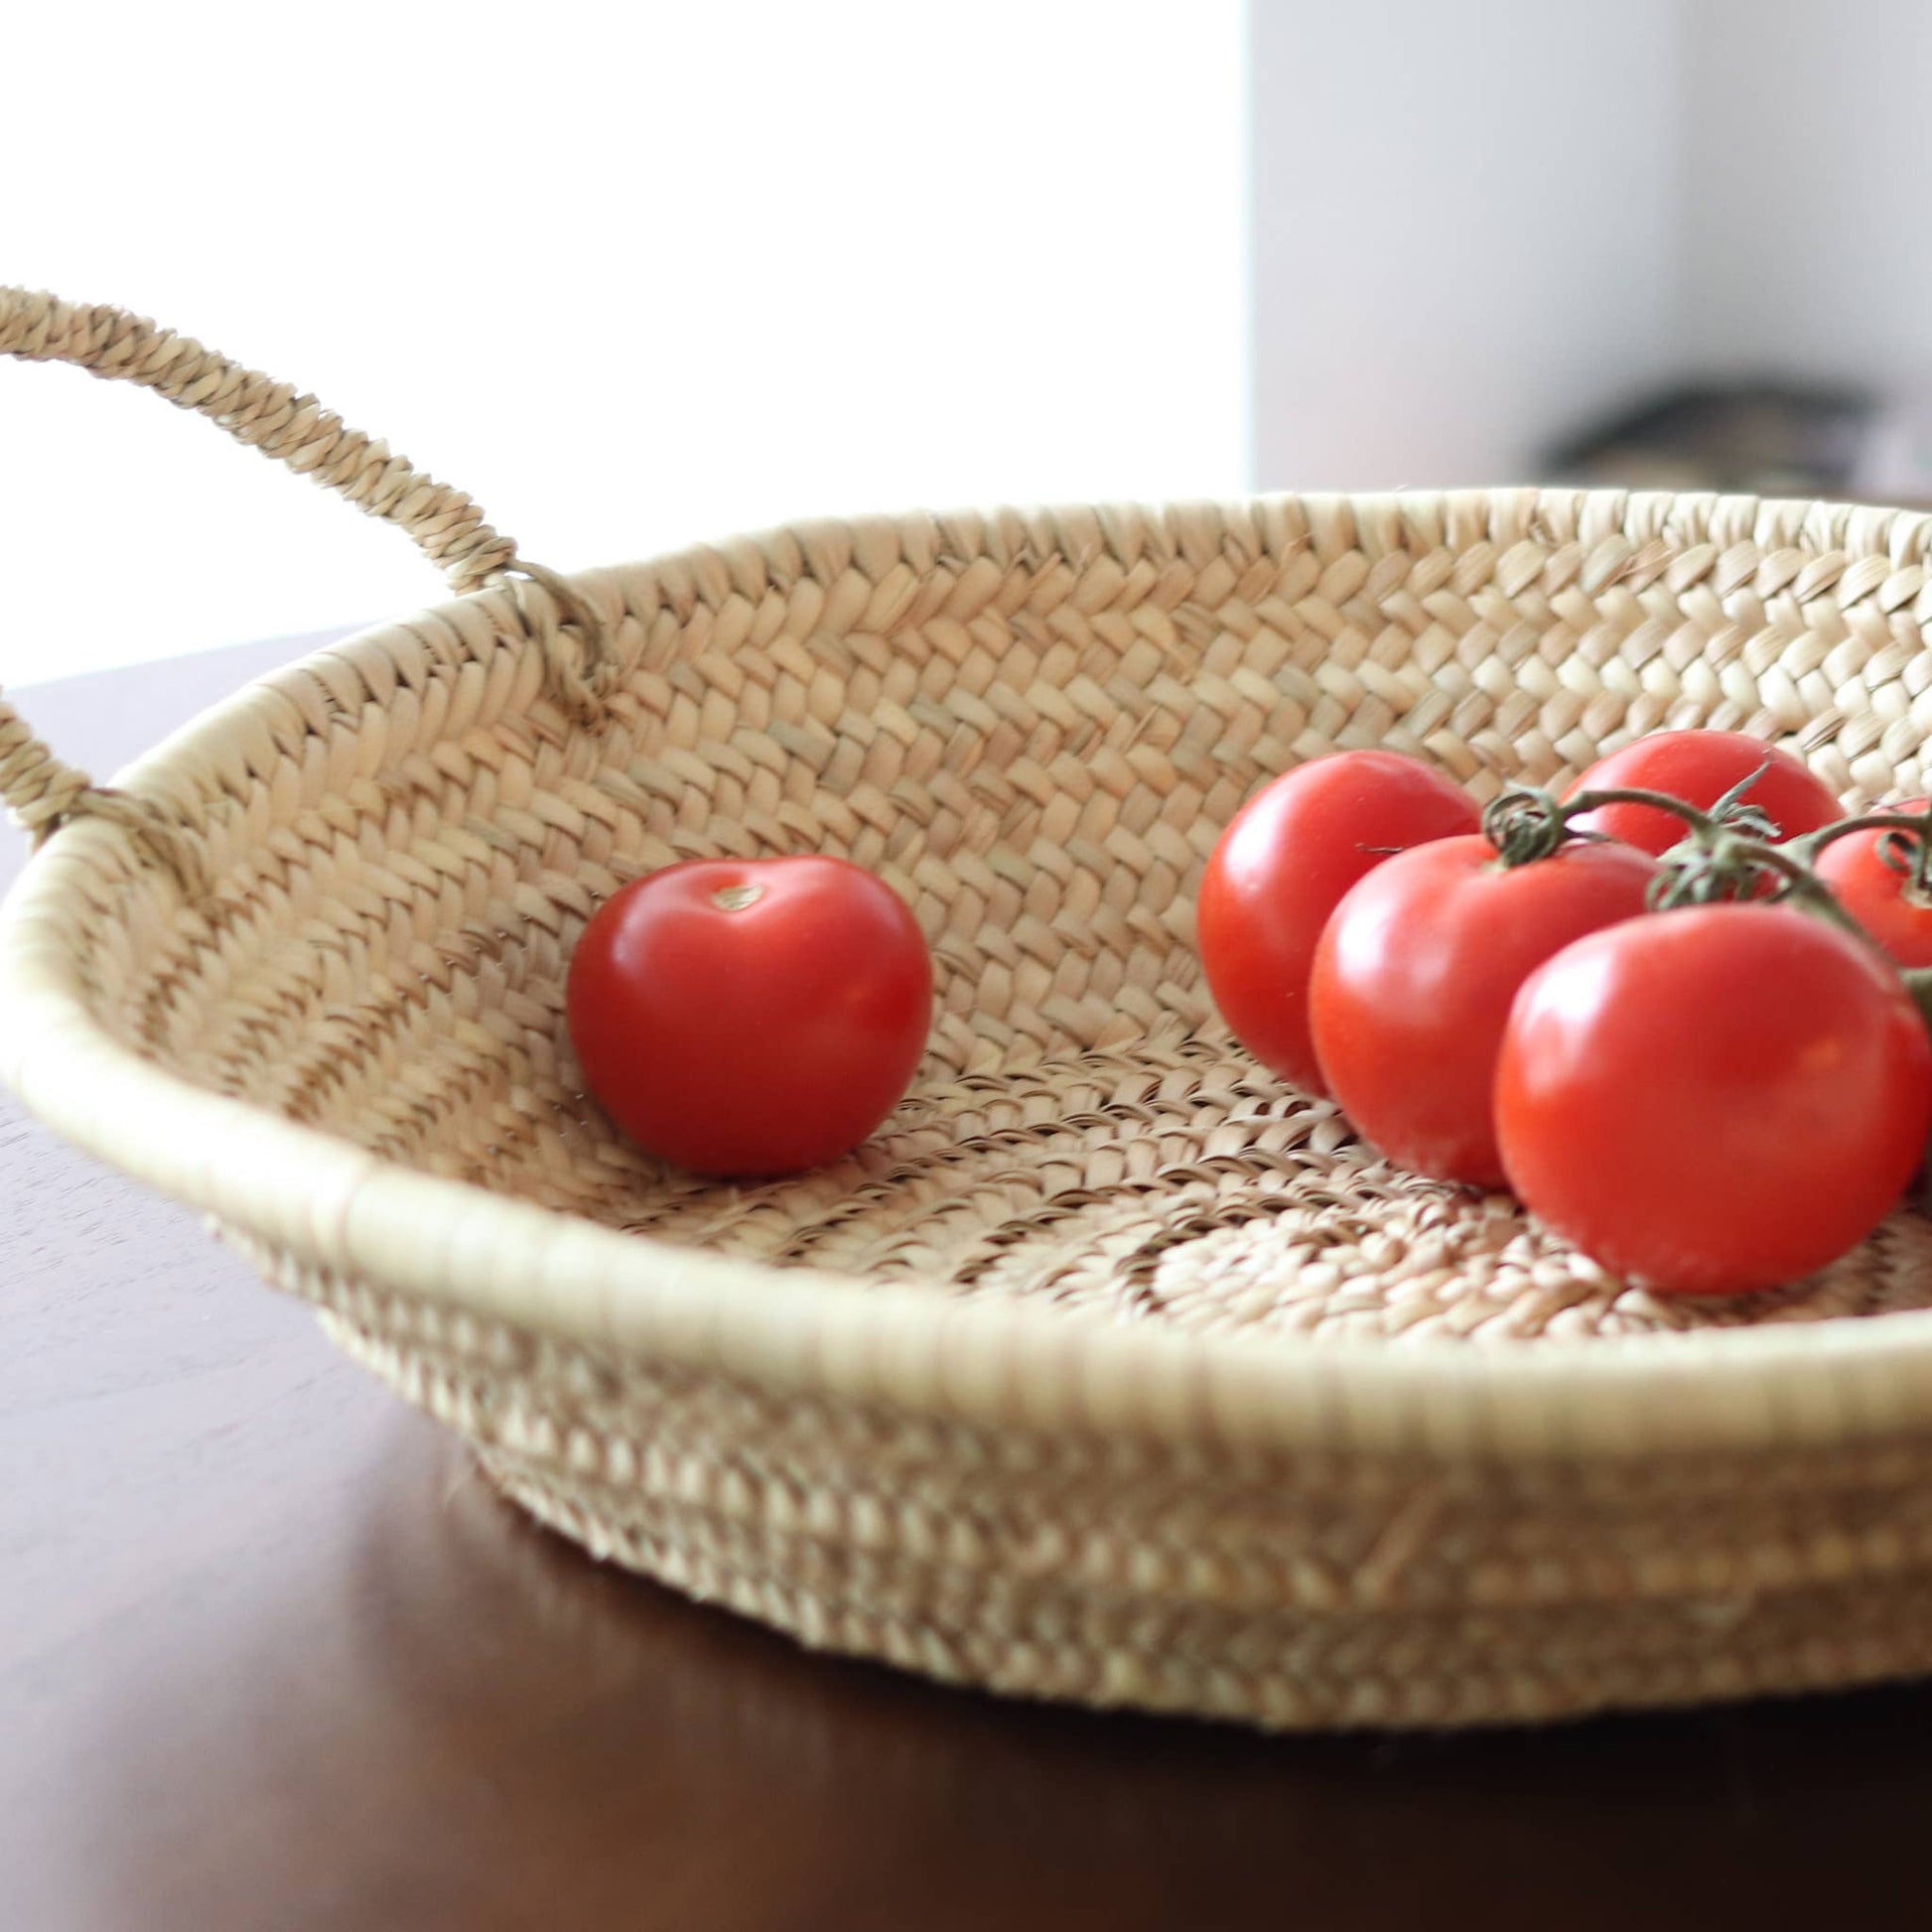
[[1281, 867], [1698, 767], [1881, 896], [1414, 977], [1714, 1099], [744, 1017]]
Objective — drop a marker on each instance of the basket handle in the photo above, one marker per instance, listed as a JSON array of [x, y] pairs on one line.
[[276, 419]]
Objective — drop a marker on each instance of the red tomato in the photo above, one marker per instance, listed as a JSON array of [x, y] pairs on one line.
[[1714, 1099], [1280, 868], [1700, 767], [744, 1017], [1879, 895], [1415, 974]]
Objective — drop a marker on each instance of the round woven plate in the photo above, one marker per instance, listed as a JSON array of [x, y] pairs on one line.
[[1112, 1368]]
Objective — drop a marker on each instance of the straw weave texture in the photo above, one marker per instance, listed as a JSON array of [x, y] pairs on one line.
[[1112, 1368]]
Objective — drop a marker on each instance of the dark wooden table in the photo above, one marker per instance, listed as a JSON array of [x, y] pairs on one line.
[[272, 1656]]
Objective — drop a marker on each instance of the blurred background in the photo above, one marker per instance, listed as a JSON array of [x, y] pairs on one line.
[[641, 278]]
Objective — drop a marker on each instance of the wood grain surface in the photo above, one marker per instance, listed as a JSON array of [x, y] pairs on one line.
[[272, 1656]]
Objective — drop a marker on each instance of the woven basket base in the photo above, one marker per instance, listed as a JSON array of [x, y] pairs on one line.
[[1290, 1591], [1276, 1671], [1175, 1183]]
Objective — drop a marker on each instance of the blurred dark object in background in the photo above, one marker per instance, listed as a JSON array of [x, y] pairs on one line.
[[1765, 438], [1760, 438]]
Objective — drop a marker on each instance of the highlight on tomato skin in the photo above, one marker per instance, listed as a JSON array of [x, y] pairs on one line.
[[1871, 874], [1415, 974], [1714, 1099], [1280, 868], [750, 1018], [1701, 767]]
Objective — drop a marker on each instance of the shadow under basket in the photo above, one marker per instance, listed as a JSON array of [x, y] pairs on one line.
[[1112, 1369]]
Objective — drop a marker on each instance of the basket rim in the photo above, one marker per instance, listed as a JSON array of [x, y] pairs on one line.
[[335, 1211]]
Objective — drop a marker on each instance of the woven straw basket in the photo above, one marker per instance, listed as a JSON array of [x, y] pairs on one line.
[[1111, 1369]]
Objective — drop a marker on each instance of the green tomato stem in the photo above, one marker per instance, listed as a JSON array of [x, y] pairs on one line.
[[1913, 829], [1728, 850], [1526, 823], [1697, 874], [1918, 983]]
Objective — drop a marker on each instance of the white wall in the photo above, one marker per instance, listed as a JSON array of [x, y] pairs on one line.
[[642, 277], [631, 276], [1810, 151], [1467, 234], [1481, 227]]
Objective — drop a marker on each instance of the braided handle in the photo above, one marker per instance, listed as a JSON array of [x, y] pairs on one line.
[[271, 416], [274, 418]]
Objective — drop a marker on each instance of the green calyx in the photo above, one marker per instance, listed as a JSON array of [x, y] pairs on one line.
[[1729, 853], [1526, 823]]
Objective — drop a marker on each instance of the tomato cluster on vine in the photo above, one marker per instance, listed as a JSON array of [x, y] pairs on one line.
[[1677, 1012]]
